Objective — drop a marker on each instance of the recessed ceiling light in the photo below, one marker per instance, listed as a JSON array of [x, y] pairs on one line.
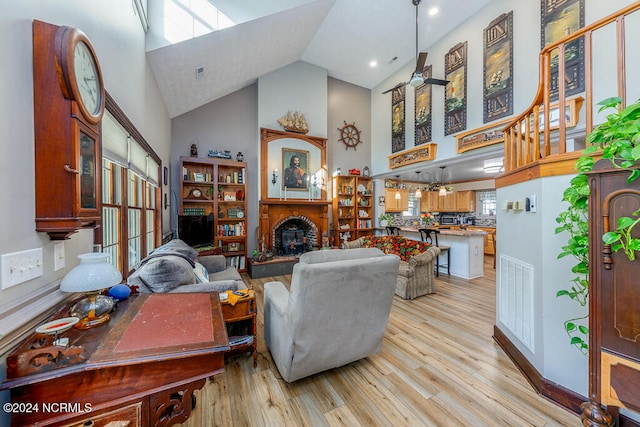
[[433, 11], [373, 63]]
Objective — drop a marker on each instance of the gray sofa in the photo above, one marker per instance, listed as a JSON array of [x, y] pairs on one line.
[[335, 313], [170, 268]]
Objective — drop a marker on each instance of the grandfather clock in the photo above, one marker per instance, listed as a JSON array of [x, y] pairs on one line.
[[68, 102]]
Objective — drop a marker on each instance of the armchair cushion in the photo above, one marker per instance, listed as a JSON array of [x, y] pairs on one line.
[[213, 263]]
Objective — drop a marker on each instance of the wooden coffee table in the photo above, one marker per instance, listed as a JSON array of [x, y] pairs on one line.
[[240, 320]]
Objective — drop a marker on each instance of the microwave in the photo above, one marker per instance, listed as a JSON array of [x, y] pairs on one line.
[[448, 219]]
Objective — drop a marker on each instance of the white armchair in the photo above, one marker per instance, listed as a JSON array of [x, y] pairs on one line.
[[335, 313]]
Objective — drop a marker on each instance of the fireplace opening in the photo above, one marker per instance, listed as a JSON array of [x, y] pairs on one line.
[[294, 236]]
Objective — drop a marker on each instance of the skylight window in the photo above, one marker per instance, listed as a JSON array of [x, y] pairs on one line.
[[186, 19]]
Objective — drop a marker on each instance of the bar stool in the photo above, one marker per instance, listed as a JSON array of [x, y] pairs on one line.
[[430, 235], [391, 230]]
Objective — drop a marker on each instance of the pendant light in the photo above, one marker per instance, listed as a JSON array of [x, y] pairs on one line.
[[418, 194], [397, 196], [443, 189]]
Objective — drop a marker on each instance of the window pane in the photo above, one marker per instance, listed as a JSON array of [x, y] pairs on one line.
[[134, 237], [487, 202], [111, 234], [150, 235]]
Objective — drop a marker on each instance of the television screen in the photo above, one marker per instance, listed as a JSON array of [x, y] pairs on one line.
[[195, 229]]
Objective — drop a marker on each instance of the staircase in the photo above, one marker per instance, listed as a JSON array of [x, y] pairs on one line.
[[537, 143]]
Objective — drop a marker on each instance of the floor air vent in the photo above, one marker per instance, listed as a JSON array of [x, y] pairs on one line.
[[515, 293]]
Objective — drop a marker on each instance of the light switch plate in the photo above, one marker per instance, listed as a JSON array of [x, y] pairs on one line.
[[58, 256], [19, 267]]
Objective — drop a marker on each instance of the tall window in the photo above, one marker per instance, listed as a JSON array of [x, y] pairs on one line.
[[413, 208], [487, 202], [131, 221]]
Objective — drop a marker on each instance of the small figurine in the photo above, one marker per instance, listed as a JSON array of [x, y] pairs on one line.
[[240, 156], [194, 150]]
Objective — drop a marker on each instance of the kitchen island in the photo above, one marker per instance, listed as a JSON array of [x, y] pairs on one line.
[[466, 250]]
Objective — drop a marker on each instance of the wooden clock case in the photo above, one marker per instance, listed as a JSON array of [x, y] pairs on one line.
[[67, 138]]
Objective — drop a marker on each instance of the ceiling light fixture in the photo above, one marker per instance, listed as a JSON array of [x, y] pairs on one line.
[[433, 11], [443, 189], [418, 194], [373, 63], [493, 166], [417, 78], [397, 196]]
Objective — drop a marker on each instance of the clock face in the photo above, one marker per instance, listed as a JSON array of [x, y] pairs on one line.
[[87, 79]]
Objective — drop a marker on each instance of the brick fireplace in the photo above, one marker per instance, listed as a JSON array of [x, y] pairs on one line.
[[302, 222]]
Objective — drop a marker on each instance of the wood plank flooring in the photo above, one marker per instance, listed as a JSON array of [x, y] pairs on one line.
[[439, 366]]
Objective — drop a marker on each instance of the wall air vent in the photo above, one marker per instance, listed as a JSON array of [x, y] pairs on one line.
[[515, 293]]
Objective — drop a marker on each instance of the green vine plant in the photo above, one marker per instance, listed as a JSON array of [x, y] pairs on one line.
[[618, 138]]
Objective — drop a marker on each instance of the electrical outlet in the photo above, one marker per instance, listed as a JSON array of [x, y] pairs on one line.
[[58, 256], [19, 267]]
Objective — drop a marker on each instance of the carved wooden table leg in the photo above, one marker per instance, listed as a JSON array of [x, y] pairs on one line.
[[594, 415], [174, 406]]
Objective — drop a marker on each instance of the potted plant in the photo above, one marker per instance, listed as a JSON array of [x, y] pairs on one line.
[[618, 140], [385, 218]]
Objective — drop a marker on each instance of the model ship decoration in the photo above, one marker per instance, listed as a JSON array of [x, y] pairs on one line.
[[294, 122], [220, 154]]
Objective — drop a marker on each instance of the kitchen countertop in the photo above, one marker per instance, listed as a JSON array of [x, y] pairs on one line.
[[446, 231]]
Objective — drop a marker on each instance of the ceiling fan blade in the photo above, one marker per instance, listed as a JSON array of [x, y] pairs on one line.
[[395, 87], [440, 82], [422, 59]]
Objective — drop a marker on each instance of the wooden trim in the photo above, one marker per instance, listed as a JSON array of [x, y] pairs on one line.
[[269, 135], [421, 153], [561, 164], [562, 396]]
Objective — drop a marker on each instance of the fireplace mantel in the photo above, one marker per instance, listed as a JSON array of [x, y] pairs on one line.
[[274, 211]]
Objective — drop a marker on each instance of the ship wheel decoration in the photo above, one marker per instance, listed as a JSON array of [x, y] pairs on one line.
[[349, 135]]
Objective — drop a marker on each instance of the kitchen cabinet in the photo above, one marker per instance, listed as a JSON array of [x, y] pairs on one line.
[[465, 201], [396, 205]]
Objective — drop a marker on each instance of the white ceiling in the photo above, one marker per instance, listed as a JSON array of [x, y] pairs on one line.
[[341, 36]]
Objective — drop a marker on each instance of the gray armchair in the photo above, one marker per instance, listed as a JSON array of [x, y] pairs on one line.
[[335, 313]]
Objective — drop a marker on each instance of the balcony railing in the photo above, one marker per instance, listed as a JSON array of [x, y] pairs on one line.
[[539, 136]]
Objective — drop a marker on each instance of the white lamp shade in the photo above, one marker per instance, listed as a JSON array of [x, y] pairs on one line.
[[442, 191], [416, 79], [397, 196], [92, 274], [418, 194]]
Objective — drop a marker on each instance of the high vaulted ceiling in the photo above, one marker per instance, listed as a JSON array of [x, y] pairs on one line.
[[341, 36]]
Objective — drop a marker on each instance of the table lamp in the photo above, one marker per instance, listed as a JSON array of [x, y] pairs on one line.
[[93, 274]]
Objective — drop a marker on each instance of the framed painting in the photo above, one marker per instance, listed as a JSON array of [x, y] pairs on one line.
[[455, 98], [295, 164], [498, 68], [560, 18], [423, 110], [397, 119]]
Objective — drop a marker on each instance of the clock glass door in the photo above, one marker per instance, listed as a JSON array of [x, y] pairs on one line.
[[87, 171]]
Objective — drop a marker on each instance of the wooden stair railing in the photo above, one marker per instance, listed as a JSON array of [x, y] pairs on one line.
[[528, 138]]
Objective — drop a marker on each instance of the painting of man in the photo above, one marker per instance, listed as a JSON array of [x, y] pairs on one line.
[[295, 164]]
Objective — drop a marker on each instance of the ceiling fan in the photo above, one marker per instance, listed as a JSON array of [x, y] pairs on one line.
[[417, 78]]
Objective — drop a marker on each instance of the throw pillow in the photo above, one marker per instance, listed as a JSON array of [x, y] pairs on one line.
[[163, 274], [202, 275]]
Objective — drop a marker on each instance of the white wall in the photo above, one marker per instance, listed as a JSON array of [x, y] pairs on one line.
[[117, 36]]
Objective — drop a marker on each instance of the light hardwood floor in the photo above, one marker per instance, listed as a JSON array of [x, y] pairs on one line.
[[439, 366]]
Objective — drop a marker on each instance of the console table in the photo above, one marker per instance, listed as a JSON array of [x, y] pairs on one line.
[[141, 367]]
